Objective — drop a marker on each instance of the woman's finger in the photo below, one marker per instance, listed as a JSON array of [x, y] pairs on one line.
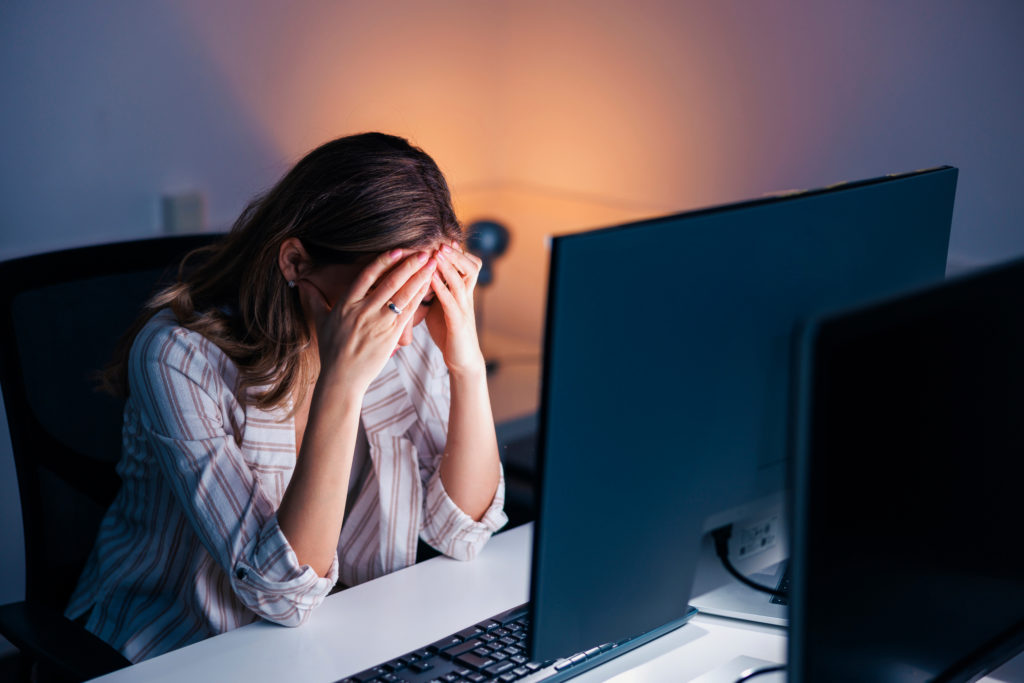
[[451, 276], [368, 277], [406, 296], [469, 255], [418, 299], [388, 285], [467, 264], [443, 294]]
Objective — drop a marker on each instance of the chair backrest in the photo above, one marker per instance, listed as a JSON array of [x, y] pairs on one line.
[[61, 316]]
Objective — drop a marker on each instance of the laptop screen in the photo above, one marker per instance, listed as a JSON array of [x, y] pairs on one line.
[[908, 563]]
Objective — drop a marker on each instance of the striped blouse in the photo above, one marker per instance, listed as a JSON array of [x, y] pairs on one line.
[[191, 546]]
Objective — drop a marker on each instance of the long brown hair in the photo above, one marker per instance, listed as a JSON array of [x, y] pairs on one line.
[[346, 199]]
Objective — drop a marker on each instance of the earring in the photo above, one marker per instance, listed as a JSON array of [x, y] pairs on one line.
[[291, 283]]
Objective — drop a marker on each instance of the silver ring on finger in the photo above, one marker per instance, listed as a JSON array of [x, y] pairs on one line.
[[394, 308]]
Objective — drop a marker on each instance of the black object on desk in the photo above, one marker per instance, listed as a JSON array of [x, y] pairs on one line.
[[908, 563]]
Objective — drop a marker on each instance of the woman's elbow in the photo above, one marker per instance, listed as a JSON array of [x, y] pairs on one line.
[[292, 616]]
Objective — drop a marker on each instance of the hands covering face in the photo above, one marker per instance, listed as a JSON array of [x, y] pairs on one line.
[[358, 333], [452, 324]]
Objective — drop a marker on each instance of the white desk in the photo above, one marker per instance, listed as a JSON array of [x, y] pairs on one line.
[[382, 619]]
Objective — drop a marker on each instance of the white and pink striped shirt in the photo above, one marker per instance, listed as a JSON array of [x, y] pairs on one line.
[[191, 546]]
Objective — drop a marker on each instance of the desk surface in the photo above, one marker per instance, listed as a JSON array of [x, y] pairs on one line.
[[376, 621]]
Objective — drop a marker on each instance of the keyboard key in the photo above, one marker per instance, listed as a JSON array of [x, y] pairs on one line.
[[473, 661], [476, 677], [499, 656], [398, 664], [421, 666], [533, 666], [508, 640], [490, 625], [450, 677], [512, 650], [445, 643], [562, 665], [514, 615], [463, 672], [471, 632], [369, 675], [520, 671], [499, 668], [464, 647], [592, 651], [421, 654], [508, 677], [482, 652], [519, 659], [501, 632]]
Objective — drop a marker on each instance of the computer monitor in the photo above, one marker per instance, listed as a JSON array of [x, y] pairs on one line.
[[908, 563], [667, 377]]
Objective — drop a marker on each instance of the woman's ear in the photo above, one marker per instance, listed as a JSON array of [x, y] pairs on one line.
[[293, 260]]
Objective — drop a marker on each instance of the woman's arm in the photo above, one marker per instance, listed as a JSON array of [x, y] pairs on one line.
[[470, 468], [183, 390], [313, 507], [355, 338]]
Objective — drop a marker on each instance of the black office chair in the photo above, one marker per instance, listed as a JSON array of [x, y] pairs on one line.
[[61, 316]]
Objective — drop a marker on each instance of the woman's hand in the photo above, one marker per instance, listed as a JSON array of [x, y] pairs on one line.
[[357, 335], [453, 324]]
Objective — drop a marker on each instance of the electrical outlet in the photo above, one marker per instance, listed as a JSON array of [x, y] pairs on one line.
[[755, 536], [183, 213]]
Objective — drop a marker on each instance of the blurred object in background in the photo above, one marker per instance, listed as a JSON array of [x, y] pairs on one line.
[[488, 240], [183, 213]]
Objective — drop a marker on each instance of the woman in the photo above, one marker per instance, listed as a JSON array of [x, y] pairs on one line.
[[288, 420]]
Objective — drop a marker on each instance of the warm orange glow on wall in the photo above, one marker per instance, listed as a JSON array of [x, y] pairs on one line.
[[420, 70], [541, 123], [552, 117]]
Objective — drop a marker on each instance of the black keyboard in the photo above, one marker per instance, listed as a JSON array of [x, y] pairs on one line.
[[493, 650]]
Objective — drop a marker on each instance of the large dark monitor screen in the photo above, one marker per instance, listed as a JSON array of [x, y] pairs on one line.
[[908, 563], [667, 378]]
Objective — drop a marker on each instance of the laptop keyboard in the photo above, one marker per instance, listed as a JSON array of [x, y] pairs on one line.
[[783, 587], [492, 650]]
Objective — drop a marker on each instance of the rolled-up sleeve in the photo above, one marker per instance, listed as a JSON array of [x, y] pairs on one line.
[[450, 530], [192, 416]]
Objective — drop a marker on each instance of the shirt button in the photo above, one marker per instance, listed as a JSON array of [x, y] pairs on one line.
[[241, 573]]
